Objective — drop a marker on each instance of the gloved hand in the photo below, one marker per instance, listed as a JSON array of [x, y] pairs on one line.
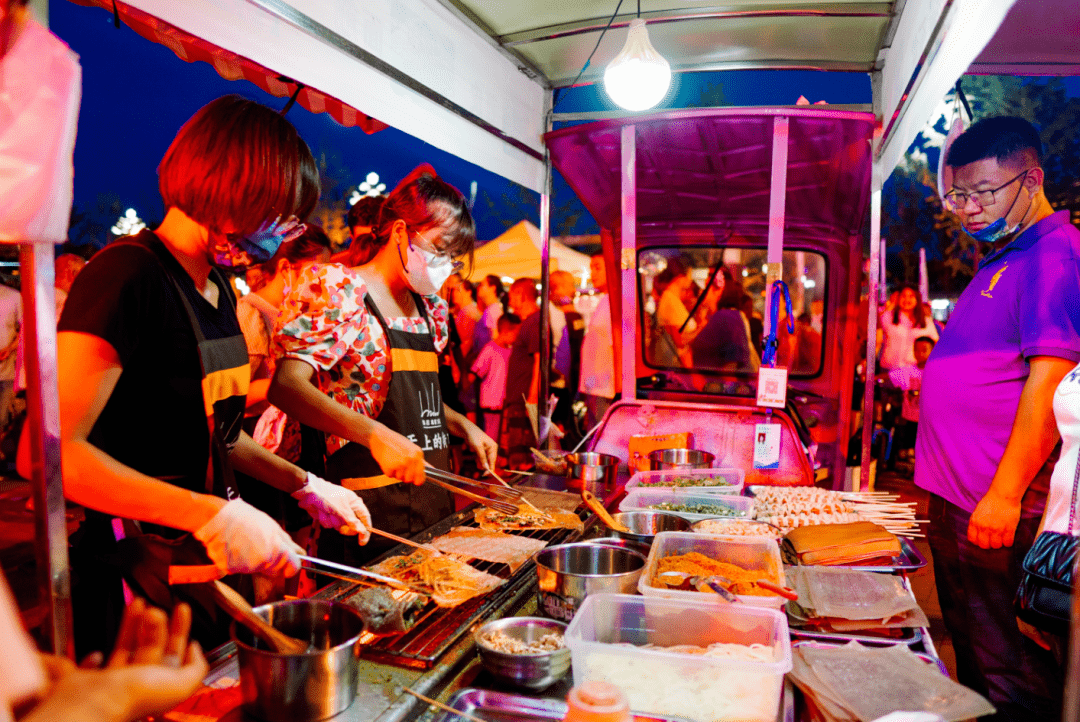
[[240, 539], [334, 507]]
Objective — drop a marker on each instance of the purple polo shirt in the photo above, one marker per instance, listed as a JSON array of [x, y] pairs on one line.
[[1024, 301]]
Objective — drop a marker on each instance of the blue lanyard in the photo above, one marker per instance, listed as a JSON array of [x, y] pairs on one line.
[[772, 343]]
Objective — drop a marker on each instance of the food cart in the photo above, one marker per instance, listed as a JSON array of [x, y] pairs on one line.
[[321, 55]]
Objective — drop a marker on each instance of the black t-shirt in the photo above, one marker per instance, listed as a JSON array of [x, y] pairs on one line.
[[155, 420]]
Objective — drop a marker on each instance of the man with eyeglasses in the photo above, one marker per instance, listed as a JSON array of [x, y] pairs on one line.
[[986, 441]]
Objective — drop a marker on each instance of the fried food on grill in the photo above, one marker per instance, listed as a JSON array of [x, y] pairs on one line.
[[384, 615], [527, 519], [449, 581]]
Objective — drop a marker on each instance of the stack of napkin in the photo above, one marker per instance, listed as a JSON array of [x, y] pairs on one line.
[[833, 544]]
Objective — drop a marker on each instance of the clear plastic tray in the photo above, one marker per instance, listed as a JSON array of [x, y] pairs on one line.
[[733, 480], [645, 499], [607, 633], [762, 555]]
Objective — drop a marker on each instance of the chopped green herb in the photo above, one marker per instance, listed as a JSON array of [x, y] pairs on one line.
[[710, 509], [688, 481]]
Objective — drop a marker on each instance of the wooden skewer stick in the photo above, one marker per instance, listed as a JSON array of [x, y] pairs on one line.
[[442, 706], [403, 540]]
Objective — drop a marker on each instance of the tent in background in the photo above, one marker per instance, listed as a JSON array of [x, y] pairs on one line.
[[516, 253]]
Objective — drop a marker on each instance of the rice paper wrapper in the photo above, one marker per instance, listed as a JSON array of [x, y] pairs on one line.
[[872, 683], [851, 594]]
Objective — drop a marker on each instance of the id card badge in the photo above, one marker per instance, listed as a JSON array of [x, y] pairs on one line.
[[772, 387], [767, 446]]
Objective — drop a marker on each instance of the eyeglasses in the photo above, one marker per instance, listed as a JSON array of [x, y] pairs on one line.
[[442, 256], [956, 201]]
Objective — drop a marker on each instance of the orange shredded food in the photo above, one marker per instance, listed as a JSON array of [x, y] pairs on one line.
[[697, 564]]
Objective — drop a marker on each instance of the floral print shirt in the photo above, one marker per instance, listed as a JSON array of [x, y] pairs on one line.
[[325, 322]]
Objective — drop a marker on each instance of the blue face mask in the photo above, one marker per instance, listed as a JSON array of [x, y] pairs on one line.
[[998, 230], [259, 247]]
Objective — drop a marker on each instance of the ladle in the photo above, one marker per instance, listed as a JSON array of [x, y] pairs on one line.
[[239, 609]]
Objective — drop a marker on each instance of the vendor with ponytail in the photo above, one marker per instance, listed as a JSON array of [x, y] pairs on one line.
[[359, 360]]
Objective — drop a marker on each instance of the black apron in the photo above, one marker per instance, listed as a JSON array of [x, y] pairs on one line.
[[106, 550], [414, 409]]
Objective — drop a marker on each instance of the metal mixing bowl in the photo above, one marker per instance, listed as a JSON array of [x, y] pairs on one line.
[[663, 459], [534, 672], [301, 687], [567, 573], [592, 467], [644, 525]]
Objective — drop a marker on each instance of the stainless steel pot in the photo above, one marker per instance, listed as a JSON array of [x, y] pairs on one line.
[[590, 467], [301, 687], [568, 573], [663, 459], [644, 525]]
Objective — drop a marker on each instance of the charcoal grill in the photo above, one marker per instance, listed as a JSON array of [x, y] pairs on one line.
[[436, 629]]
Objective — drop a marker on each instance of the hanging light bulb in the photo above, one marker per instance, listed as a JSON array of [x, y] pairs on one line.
[[638, 77]]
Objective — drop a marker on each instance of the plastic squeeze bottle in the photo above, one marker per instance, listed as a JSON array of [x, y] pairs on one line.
[[597, 701]]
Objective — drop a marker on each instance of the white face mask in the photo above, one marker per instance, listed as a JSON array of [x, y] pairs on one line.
[[425, 272]]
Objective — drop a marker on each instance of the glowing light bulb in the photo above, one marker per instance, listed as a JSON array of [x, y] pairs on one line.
[[638, 77]]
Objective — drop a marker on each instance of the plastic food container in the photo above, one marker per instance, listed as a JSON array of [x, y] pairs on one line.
[[715, 505], [762, 555], [721, 481], [662, 682]]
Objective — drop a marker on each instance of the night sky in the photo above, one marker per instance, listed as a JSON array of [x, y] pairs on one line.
[[136, 94]]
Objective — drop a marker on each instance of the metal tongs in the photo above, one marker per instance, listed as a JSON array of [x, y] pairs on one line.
[[352, 574], [505, 499]]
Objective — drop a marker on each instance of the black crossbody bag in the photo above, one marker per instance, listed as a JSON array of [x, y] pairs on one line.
[[1044, 599]]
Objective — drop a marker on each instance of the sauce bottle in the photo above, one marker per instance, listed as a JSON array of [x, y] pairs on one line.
[[596, 701]]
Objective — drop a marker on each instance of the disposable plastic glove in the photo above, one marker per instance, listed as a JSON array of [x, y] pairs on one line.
[[240, 539], [334, 507]]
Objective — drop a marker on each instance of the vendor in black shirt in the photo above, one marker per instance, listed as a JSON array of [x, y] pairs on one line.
[[153, 372]]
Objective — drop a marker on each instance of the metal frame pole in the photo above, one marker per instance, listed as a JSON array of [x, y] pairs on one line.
[[871, 321], [628, 262], [545, 295], [43, 425], [777, 212]]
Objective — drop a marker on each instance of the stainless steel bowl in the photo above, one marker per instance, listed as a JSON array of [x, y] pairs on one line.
[[534, 672], [568, 573], [590, 467], [644, 525], [301, 687], [618, 543], [663, 459]]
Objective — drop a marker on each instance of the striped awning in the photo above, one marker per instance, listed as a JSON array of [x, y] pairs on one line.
[[231, 66]]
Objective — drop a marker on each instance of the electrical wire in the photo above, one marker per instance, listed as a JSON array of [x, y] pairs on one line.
[[585, 67]]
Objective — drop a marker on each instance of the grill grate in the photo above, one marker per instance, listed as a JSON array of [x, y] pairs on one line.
[[437, 629]]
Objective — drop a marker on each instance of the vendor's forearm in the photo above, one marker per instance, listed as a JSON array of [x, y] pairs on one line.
[[1034, 431], [250, 458], [96, 480], [456, 423], [301, 400]]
